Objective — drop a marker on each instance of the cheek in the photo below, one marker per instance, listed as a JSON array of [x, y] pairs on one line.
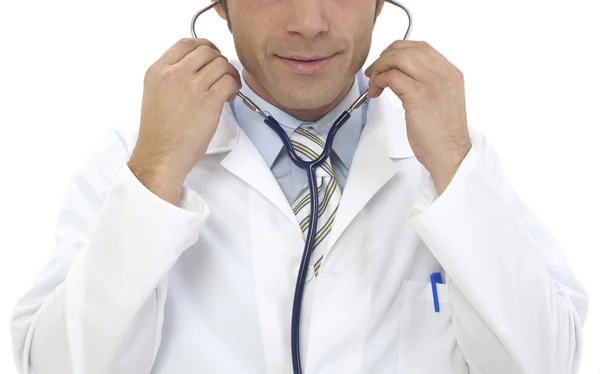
[[354, 23], [245, 35], [250, 48], [362, 46], [250, 26]]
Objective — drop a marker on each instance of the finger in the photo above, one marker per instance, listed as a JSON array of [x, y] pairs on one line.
[[399, 44], [410, 61], [396, 80], [224, 89], [197, 59], [183, 46], [213, 71], [434, 61], [232, 97], [416, 44]]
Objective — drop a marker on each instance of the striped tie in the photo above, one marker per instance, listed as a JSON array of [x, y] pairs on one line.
[[308, 144]]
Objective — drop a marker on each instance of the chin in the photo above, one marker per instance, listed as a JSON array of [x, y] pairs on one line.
[[308, 96], [306, 100]]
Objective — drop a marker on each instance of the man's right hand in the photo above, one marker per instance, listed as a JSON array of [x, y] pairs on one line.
[[184, 94]]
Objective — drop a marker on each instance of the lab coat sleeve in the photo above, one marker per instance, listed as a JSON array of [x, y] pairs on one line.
[[97, 305], [516, 306]]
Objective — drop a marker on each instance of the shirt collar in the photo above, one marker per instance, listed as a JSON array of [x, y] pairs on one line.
[[268, 143]]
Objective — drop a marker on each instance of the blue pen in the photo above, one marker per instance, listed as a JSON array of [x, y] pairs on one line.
[[435, 279]]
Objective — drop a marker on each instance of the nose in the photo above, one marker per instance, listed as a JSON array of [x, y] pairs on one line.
[[308, 18]]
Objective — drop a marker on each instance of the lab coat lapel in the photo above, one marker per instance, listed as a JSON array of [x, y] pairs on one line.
[[383, 139], [246, 162]]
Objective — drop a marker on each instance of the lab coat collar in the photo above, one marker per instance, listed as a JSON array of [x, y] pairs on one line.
[[382, 140]]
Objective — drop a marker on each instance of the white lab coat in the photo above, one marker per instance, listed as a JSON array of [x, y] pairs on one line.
[[137, 285]]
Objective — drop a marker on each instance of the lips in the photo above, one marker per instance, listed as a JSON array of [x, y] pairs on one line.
[[306, 64], [306, 59]]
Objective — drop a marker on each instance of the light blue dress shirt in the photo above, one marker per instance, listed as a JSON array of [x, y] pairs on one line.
[[290, 177]]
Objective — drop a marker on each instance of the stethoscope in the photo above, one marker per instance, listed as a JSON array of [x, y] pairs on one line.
[[310, 167]]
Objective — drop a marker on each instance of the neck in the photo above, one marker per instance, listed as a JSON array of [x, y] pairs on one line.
[[306, 115]]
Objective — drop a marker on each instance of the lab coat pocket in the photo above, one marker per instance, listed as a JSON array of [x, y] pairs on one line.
[[427, 339]]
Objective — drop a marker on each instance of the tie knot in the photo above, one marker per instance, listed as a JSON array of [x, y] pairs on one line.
[[309, 145]]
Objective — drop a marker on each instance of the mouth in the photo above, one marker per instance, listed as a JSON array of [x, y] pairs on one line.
[[306, 64]]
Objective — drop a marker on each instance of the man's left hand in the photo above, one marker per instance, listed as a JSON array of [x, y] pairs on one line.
[[433, 96]]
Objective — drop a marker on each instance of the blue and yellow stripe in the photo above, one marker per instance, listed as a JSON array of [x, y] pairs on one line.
[[311, 155], [318, 265], [325, 229], [302, 203], [311, 136], [301, 192], [329, 192]]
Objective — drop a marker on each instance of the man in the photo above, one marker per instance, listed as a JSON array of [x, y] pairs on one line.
[[179, 244]]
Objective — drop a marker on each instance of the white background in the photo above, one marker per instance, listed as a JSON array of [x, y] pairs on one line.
[[70, 70]]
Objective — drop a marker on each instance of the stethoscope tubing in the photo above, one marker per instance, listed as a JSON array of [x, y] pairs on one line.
[[310, 167]]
